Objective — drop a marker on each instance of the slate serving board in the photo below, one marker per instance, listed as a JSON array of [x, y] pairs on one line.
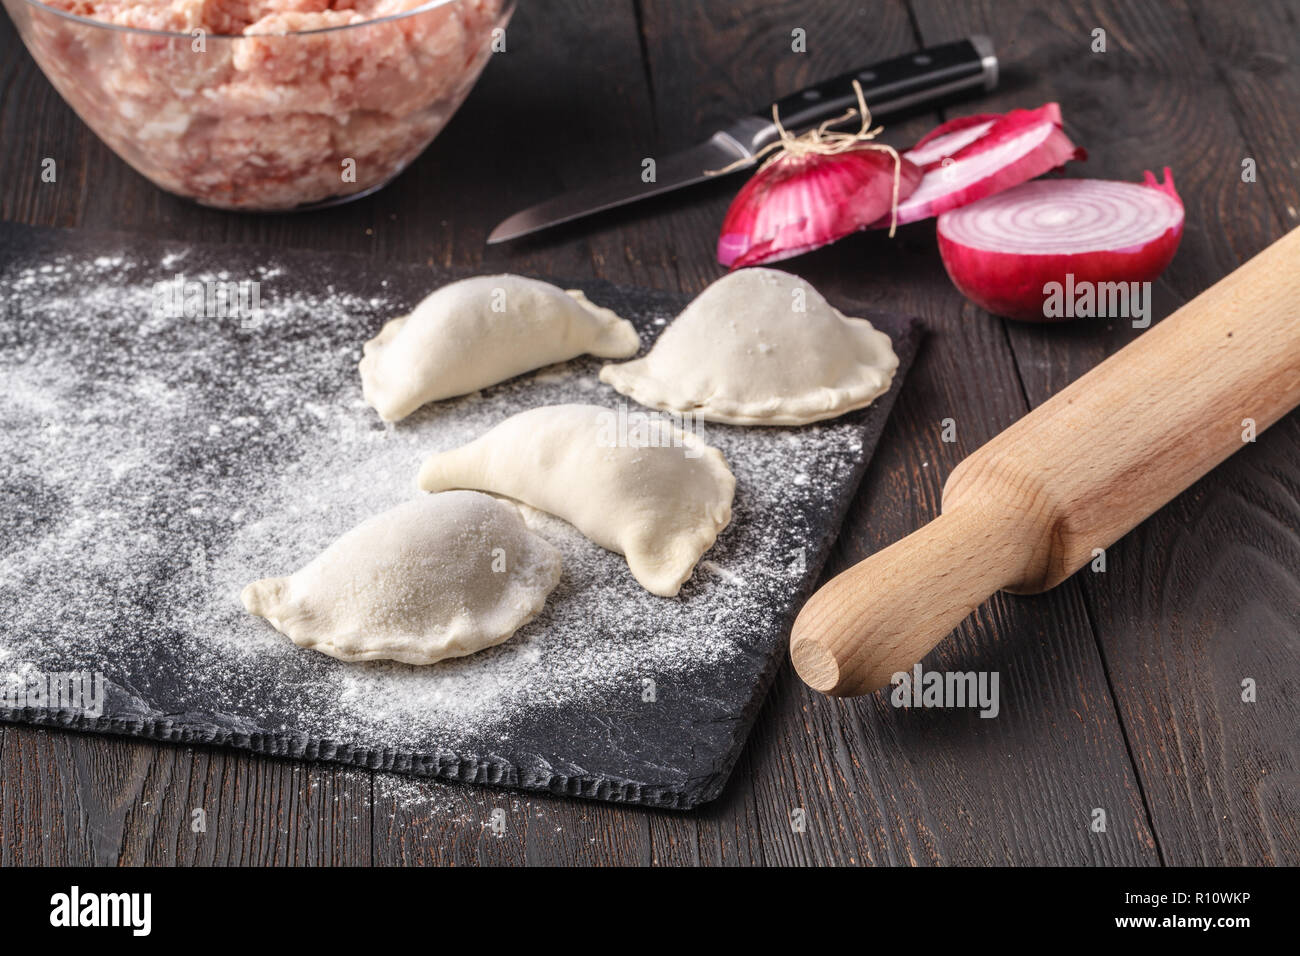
[[137, 451]]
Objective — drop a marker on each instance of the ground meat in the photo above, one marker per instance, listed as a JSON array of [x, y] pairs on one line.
[[242, 110]]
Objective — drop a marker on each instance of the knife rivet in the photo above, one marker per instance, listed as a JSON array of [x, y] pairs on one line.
[[867, 76], [811, 95], [921, 59]]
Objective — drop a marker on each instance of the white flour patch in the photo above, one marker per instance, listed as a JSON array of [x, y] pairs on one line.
[[153, 466], [735, 580]]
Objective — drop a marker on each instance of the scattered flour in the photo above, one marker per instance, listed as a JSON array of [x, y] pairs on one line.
[[153, 466]]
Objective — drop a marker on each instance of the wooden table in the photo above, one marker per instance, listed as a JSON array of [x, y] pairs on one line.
[[1120, 691]]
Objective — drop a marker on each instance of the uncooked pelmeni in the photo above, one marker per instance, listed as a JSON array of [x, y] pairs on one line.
[[760, 347], [643, 488], [438, 576], [477, 332]]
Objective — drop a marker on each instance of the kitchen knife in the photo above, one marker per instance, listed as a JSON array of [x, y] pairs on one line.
[[1028, 509], [924, 78]]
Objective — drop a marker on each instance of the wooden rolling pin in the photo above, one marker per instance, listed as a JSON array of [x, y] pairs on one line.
[[1026, 510]]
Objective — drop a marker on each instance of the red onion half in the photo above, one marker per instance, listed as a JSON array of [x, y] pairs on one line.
[[1002, 252], [973, 157], [800, 203]]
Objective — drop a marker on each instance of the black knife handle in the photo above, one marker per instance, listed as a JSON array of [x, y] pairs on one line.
[[918, 78]]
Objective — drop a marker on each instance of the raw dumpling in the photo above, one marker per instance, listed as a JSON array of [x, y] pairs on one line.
[[477, 332], [635, 484], [760, 347], [439, 576]]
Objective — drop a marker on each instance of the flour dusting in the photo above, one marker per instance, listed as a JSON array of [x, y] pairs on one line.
[[153, 466]]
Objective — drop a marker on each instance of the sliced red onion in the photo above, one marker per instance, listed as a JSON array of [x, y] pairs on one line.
[[970, 158], [800, 203], [1003, 251], [943, 141]]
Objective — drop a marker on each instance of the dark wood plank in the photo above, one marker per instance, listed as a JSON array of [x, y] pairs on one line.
[[422, 822], [878, 784], [1255, 59], [727, 832], [36, 828], [36, 124], [419, 822], [259, 812], [1181, 623], [74, 799]]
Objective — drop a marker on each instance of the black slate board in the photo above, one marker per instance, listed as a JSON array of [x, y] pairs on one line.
[[677, 753]]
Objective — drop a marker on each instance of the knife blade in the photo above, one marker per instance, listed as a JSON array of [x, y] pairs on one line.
[[925, 77]]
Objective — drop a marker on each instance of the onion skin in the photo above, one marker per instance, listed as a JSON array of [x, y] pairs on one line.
[[802, 203], [1011, 284]]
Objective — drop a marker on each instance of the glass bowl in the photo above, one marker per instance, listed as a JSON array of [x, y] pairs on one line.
[[235, 106]]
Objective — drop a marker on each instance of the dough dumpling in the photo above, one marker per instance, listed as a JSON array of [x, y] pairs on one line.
[[438, 576], [477, 332], [655, 494], [743, 353]]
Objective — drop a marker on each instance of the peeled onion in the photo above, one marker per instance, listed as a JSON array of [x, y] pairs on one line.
[[1003, 251], [801, 203], [967, 159]]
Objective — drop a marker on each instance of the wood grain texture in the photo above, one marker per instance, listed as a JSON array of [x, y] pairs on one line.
[[1255, 59], [1255, 755], [1190, 738], [420, 823], [574, 98], [96, 801]]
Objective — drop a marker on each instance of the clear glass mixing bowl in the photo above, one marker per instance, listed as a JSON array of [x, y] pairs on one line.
[[263, 104]]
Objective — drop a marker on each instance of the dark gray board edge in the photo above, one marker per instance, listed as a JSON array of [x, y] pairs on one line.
[[450, 766]]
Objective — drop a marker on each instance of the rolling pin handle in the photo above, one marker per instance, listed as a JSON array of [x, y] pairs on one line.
[[884, 614]]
